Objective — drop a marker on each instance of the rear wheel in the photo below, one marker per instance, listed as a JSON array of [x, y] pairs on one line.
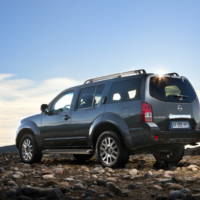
[[110, 150], [170, 155], [28, 149], [82, 157]]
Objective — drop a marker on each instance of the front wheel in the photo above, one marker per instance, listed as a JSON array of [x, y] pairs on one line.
[[170, 155], [28, 150], [110, 150]]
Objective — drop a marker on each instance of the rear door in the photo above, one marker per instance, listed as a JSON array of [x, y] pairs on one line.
[[174, 102], [87, 109]]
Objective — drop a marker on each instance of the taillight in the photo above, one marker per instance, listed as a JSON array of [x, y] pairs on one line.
[[147, 112]]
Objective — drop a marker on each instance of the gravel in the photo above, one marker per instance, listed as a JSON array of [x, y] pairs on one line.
[[60, 178]]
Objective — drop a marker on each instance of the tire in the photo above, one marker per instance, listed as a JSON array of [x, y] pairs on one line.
[[110, 150], [171, 155], [28, 149], [82, 157]]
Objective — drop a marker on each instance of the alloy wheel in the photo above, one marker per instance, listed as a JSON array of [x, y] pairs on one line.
[[109, 150], [27, 149]]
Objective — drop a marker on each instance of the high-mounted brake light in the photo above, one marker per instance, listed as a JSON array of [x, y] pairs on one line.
[[147, 112]]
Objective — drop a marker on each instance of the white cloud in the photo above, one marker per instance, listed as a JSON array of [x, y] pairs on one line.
[[4, 76], [22, 97]]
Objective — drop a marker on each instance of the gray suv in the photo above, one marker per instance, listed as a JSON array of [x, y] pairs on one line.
[[113, 117]]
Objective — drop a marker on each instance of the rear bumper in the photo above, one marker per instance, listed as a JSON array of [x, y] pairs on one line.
[[183, 137], [152, 136]]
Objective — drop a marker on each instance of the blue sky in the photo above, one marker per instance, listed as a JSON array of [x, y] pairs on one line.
[[43, 42], [79, 39]]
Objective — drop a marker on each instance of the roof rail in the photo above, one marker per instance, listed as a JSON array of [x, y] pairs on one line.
[[118, 75], [173, 74]]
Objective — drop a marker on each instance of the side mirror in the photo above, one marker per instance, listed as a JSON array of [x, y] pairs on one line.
[[44, 108]]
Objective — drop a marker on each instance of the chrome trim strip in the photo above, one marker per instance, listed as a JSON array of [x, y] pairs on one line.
[[171, 116]]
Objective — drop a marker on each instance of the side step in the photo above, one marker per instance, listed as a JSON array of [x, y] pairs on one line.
[[68, 151]]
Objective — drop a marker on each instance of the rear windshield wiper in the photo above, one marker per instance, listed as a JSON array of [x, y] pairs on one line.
[[179, 96]]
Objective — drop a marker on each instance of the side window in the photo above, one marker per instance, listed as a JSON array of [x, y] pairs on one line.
[[98, 95], [63, 103], [125, 90], [86, 97], [90, 96]]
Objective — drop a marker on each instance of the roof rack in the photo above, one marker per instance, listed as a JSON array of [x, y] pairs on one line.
[[173, 74], [118, 75]]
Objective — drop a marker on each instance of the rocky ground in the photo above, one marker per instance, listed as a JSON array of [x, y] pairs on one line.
[[60, 178]]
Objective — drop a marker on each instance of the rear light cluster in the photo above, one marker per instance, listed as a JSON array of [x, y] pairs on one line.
[[147, 112]]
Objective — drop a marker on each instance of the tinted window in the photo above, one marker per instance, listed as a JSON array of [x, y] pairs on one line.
[[98, 94], [172, 89], [86, 97], [63, 103], [90, 96], [125, 90]]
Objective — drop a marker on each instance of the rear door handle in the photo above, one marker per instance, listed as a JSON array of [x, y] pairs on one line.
[[66, 117]]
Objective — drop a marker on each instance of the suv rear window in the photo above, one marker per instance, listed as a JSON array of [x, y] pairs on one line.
[[172, 89], [125, 90]]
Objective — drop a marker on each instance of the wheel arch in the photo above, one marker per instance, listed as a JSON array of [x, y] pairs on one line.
[[109, 122], [23, 132], [105, 126], [28, 128]]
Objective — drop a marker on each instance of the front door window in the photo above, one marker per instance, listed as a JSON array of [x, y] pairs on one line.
[[63, 103]]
